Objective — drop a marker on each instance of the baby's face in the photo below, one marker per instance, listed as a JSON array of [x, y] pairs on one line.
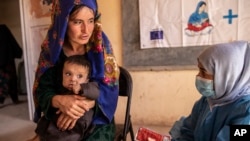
[[74, 74]]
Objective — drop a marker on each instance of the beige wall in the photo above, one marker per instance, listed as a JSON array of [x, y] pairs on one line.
[[159, 97]]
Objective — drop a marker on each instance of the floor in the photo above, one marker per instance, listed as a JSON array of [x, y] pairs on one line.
[[16, 126], [14, 121]]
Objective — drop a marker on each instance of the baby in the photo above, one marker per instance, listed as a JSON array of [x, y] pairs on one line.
[[75, 79]]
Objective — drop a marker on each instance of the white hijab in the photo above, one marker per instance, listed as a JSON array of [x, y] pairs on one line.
[[230, 65]]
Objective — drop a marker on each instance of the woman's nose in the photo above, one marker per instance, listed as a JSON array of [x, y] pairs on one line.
[[84, 28]]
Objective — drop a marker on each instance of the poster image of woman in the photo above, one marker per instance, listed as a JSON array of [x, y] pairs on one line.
[[198, 22]]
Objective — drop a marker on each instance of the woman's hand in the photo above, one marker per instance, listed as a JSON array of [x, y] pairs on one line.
[[72, 105], [65, 122]]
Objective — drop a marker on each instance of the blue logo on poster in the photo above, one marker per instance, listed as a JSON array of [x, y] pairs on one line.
[[156, 34]]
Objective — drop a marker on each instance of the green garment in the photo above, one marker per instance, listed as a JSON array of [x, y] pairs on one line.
[[102, 133]]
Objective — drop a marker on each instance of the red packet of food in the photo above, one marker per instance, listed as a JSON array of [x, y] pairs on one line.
[[145, 134]]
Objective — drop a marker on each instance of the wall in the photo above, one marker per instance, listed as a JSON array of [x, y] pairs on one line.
[[159, 97]]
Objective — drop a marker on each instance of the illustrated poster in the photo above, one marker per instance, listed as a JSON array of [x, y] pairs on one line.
[[185, 23]]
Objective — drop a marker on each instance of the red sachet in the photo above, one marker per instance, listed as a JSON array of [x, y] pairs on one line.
[[145, 134]]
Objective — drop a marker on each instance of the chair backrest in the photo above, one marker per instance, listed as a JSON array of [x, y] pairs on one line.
[[125, 90], [125, 83]]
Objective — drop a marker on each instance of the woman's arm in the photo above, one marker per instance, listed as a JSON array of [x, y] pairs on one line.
[[183, 130], [107, 103], [45, 91]]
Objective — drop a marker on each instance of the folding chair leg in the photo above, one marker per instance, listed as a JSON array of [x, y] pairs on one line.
[[131, 132]]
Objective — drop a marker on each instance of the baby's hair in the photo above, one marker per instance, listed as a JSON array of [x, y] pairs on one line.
[[79, 60]]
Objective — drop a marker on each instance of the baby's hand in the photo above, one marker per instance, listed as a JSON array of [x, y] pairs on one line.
[[76, 88]]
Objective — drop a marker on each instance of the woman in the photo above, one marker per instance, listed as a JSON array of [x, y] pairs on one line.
[[75, 30], [198, 22], [224, 83]]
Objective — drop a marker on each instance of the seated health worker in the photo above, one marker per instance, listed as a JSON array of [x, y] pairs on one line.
[[224, 83]]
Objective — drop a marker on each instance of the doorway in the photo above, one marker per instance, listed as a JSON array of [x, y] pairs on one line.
[[10, 20], [29, 21]]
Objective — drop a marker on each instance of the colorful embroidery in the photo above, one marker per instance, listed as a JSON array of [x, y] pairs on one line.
[[111, 70]]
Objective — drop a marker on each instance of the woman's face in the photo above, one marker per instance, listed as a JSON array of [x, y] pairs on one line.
[[202, 8], [80, 27]]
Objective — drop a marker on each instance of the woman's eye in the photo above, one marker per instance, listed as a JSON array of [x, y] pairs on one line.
[[77, 22], [203, 73], [91, 21]]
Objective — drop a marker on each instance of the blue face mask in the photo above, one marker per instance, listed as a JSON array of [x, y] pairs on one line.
[[205, 86]]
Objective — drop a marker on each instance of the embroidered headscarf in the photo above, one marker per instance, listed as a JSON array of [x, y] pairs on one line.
[[99, 52], [229, 63]]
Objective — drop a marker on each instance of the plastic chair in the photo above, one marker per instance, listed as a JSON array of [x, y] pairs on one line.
[[125, 90]]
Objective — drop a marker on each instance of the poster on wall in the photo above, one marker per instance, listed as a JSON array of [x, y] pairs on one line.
[[40, 8], [39, 12], [185, 23]]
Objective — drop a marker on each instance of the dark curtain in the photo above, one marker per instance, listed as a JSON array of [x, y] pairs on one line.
[[9, 50]]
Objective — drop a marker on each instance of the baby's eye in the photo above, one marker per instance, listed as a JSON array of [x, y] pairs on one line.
[[79, 76], [67, 73]]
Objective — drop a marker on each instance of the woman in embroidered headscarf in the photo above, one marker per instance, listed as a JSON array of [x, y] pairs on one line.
[[76, 30], [224, 83]]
